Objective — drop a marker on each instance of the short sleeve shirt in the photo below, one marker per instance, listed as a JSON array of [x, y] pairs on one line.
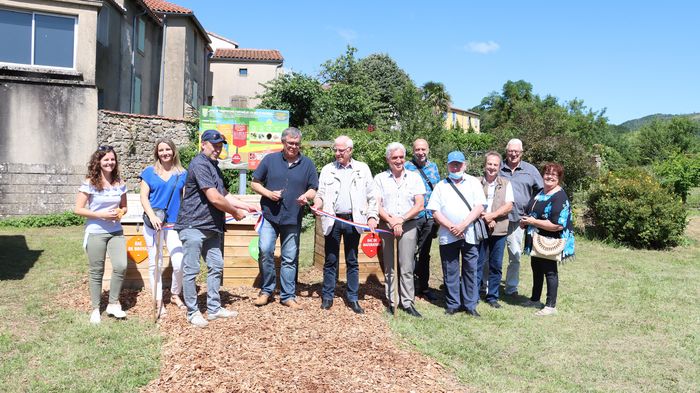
[[398, 198], [446, 200], [431, 172], [99, 201], [196, 211], [165, 193], [526, 182], [293, 178]]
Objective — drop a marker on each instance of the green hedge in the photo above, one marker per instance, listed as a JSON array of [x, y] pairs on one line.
[[632, 208], [65, 219]]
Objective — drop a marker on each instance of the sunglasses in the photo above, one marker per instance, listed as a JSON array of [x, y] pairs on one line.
[[105, 148]]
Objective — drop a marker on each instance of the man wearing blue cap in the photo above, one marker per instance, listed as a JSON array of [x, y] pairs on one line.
[[456, 203], [200, 225]]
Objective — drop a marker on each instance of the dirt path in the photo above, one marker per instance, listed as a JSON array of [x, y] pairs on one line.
[[273, 348]]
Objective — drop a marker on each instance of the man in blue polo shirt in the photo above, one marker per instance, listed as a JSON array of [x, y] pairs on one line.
[[286, 181], [526, 182], [200, 224], [427, 228]]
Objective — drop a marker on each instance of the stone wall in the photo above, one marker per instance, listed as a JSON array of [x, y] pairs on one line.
[[134, 136], [38, 188], [27, 189]]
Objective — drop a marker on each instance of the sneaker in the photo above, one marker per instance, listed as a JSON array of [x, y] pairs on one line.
[[533, 304], [546, 311], [115, 310], [222, 313], [198, 320], [95, 316]]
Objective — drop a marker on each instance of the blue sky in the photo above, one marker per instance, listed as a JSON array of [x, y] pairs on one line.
[[633, 58]]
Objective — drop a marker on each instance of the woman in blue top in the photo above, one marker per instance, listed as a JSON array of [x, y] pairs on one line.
[[102, 200], [162, 187], [550, 215]]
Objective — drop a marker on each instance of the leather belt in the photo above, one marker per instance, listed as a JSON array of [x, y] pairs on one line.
[[347, 216]]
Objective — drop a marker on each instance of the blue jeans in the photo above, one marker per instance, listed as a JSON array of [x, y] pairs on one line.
[[491, 249], [460, 292], [210, 245], [330, 267], [289, 237]]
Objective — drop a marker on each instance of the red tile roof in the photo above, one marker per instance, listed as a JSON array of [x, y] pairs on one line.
[[249, 54], [164, 6]]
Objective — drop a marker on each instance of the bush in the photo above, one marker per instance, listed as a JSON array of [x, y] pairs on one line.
[[632, 208], [65, 219], [680, 173]]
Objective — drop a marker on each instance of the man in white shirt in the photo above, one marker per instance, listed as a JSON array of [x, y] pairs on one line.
[[456, 203], [400, 199]]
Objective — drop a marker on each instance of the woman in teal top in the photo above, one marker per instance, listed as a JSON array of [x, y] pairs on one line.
[[161, 187], [102, 200]]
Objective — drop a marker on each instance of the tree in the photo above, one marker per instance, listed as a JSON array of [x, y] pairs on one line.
[[294, 92], [436, 95]]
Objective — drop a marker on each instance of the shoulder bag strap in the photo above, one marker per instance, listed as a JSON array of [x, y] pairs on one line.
[[459, 193], [177, 178], [423, 174]]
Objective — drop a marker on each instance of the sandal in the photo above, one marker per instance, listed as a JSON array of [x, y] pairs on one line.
[[175, 299]]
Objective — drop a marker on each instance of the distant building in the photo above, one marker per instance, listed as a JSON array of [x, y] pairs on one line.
[[185, 53], [221, 42], [238, 75], [462, 118]]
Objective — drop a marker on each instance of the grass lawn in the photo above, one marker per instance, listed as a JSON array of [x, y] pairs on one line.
[[45, 348], [628, 320]]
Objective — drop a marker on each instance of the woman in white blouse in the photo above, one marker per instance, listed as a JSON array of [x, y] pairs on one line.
[[102, 200]]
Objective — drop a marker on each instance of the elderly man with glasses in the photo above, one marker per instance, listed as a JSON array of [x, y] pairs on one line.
[[286, 180], [526, 182], [346, 190]]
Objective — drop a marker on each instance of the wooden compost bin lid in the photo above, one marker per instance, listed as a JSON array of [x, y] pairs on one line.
[[240, 269], [370, 269]]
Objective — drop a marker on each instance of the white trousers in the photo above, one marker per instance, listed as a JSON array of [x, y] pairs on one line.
[[174, 246]]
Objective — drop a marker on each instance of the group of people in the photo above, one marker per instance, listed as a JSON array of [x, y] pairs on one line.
[[407, 205]]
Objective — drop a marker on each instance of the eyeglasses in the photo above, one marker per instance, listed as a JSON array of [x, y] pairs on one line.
[[341, 151], [514, 151], [293, 144], [105, 148]]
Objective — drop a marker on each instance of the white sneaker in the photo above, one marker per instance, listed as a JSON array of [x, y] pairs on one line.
[[222, 313], [198, 320], [546, 311], [115, 310], [95, 317]]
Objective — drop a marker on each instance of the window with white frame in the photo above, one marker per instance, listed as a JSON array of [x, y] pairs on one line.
[[37, 38], [242, 72]]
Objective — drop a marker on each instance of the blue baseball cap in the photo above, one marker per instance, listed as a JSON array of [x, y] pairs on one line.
[[213, 136], [455, 156]]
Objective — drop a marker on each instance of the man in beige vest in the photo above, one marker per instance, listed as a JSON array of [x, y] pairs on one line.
[[499, 198]]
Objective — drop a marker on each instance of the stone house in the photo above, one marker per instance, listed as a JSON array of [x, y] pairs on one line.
[[48, 102], [184, 60], [238, 75]]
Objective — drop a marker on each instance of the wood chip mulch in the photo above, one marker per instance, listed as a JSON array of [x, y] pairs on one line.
[[274, 348]]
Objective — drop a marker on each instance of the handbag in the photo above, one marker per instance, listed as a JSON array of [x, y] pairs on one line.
[[160, 213], [546, 247], [481, 230]]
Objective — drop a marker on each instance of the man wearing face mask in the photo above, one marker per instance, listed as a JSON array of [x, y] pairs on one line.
[[456, 203]]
